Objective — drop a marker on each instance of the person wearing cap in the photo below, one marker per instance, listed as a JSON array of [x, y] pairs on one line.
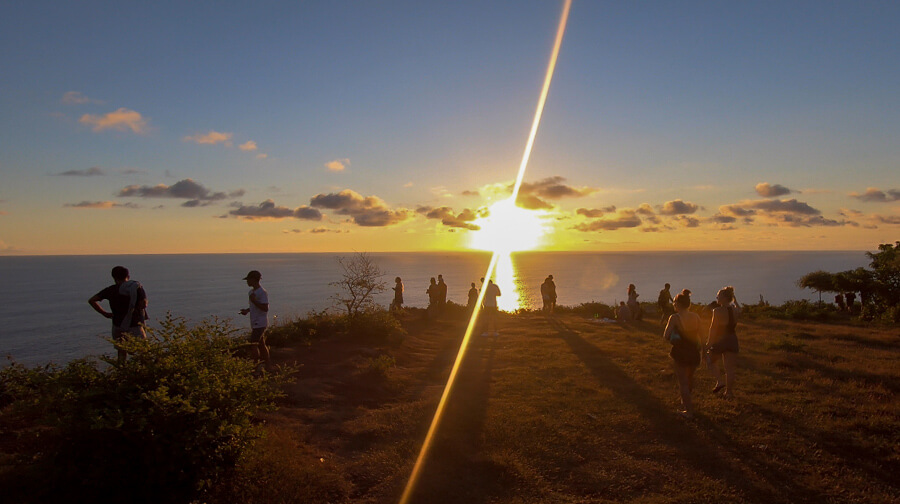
[[259, 315], [127, 307]]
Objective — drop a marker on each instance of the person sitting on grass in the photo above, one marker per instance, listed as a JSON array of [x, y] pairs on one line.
[[683, 332]]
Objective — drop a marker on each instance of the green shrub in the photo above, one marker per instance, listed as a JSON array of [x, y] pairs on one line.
[[159, 427], [316, 325], [379, 366], [376, 326]]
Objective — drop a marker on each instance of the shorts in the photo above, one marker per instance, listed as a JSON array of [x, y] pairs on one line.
[[258, 335], [728, 343], [118, 334]]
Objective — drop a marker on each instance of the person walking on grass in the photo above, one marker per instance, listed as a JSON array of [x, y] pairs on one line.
[[683, 332], [472, 298], [490, 308], [128, 308], [633, 304], [259, 316], [722, 344]]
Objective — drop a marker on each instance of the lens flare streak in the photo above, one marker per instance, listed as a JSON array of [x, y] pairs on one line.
[[435, 422]]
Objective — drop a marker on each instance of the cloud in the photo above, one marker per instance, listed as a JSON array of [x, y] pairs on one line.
[[93, 171], [122, 119], [593, 213], [890, 219], [532, 202], [102, 205], [268, 210], [874, 195], [688, 222], [448, 218], [247, 146], [766, 190], [262, 155], [338, 165], [318, 230], [678, 207], [76, 98], [645, 209], [211, 138], [369, 211], [471, 193], [183, 189], [553, 188], [722, 219], [625, 219]]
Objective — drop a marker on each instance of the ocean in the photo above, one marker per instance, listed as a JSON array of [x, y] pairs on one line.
[[44, 315]]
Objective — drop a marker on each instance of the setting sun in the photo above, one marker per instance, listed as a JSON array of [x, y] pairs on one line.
[[509, 228]]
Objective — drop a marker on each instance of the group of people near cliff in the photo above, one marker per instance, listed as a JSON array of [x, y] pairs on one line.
[[683, 328], [128, 303]]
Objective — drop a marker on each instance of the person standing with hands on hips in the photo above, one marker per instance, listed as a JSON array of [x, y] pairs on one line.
[[259, 315]]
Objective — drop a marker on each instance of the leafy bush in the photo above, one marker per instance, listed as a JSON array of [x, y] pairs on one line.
[[376, 326], [593, 309], [316, 325], [159, 427], [379, 366]]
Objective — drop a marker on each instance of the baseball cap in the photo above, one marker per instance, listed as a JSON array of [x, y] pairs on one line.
[[253, 274]]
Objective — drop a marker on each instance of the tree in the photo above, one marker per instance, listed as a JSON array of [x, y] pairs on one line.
[[360, 282], [857, 280], [886, 270], [820, 281]]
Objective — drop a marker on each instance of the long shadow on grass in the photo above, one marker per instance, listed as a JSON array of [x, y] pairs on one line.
[[455, 470], [691, 449]]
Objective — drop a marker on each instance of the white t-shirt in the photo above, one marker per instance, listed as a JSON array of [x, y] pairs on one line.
[[259, 318], [490, 296]]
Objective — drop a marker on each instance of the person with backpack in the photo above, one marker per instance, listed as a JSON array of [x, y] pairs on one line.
[[128, 308]]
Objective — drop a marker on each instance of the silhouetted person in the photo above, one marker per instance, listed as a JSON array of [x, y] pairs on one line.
[[259, 315], [664, 304], [623, 313], [490, 308], [633, 304], [839, 301], [128, 308], [683, 332], [851, 299], [722, 344], [442, 292], [432, 292], [473, 298], [548, 294], [397, 303]]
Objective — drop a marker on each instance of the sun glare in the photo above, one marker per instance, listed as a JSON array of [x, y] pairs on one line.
[[509, 228]]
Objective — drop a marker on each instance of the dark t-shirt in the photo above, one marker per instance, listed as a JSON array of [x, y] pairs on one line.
[[118, 305]]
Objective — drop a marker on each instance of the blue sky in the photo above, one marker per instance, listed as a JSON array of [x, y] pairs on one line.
[[422, 105]]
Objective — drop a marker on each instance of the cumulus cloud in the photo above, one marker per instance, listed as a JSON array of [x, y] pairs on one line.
[[268, 210], [211, 138], [625, 219], [184, 189], [338, 165], [93, 171], [76, 98], [532, 202], [593, 213], [645, 209], [262, 155], [449, 218], [767, 190], [687, 221], [101, 205], [369, 211], [122, 119], [874, 195], [553, 188], [249, 145], [723, 219], [678, 207]]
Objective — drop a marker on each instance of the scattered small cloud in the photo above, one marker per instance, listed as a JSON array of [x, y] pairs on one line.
[[132, 171], [268, 210], [76, 98], [874, 195], [645, 209], [625, 219], [678, 207], [262, 155], [122, 119], [247, 146], [767, 190], [318, 230], [451, 219], [210, 138], [94, 171], [686, 221], [594, 213], [465, 193], [101, 205], [338, 165], [184, 189], [408, 184], [368, 211]]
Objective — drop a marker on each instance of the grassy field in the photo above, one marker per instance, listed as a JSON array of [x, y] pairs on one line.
[[567, 409]]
